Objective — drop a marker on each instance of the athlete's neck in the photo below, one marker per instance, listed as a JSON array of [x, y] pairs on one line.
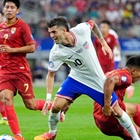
[[69, 40], [11, 21]]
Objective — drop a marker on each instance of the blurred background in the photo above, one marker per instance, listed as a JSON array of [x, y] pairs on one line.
[[124, 16]]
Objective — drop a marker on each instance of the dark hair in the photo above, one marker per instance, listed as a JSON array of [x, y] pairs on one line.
[[106, 22], [133, 61], [16, 2], [59, 21]]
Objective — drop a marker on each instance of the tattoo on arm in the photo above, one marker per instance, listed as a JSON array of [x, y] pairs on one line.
[[97, 32]]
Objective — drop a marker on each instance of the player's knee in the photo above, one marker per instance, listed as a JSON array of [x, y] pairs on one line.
[[136, 117], [56, 107], [30, 106]]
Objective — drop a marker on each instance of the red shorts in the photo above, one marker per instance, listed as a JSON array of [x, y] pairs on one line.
[[21, 82], [112, 128]]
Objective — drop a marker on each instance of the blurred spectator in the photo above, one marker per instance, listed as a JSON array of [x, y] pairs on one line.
[[39, 72], [122, 14]]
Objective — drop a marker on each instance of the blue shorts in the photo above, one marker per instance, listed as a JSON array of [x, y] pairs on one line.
[[71, 89]]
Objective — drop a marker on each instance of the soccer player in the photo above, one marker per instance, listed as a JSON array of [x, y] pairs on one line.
[[15, 42], [106, 63], [119, 80], [75, 48], [2, 109]]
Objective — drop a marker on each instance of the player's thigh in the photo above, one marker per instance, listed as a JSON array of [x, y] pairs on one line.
[[24, 85], [117, 109], [130, 109]]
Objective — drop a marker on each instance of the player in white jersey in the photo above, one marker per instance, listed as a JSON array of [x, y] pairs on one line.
[[74, 47]]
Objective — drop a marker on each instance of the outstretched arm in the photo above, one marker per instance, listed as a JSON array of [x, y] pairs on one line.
[[49, 86]]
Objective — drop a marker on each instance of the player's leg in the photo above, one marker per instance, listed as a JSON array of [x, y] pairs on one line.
[[3, 114], [8, 96], [25, 89], [125, 121], [54, 118]]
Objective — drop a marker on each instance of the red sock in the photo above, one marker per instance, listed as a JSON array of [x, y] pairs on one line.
[[2, 110], [12, 119], [39, 104], [136, 118]]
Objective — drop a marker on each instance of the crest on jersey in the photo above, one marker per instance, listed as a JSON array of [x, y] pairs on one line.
[[51, 64], [124, 78], [13, 30], [86, 45]]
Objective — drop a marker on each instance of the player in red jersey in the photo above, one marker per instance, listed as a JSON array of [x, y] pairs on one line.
[[106, 63], [118, 80], [15, 42]]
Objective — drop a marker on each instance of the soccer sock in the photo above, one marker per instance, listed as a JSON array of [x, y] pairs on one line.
[[125, 121], [39, 104], [12, 119], [53, 120], [2, 110], [136, 117]]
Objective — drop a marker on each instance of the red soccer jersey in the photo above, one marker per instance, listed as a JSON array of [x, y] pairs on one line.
[[112, 42], [16, 35], [125, 81]]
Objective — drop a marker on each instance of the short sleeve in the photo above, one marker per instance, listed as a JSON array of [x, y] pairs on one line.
[[54, 61]]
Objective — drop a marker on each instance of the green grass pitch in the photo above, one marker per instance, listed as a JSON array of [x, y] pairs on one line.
[[79, 123]]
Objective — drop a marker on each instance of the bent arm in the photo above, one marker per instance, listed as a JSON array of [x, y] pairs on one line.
[[108, 89], [25, 49]]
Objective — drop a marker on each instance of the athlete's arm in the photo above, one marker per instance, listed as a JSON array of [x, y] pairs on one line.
[[50, 81], [108, 89], [105, 48], [25, 49], [49, 86]]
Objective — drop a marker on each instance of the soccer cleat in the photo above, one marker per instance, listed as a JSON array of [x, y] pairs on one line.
[[3, 121], [17, 137], [45, 136]]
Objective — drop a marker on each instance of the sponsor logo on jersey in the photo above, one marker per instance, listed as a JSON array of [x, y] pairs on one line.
[[13, 30], [124, 78], [86, 45], [51, 64]]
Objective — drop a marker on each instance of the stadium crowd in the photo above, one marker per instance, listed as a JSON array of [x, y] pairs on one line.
[[123, 14]]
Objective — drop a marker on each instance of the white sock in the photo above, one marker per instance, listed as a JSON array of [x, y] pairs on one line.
[[53, 120], [126, 122]]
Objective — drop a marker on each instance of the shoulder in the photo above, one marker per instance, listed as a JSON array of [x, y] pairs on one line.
[[81, 28]]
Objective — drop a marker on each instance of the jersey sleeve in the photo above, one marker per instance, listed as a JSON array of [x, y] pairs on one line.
[[54, 61], [125, 79], [27, 35], [90, 23]]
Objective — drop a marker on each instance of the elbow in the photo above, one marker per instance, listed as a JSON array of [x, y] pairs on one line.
[[32, 50]]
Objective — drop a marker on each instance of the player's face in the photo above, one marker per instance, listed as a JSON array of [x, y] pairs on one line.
[[104, 28], [10, 10], [136, 75], [57, 34]]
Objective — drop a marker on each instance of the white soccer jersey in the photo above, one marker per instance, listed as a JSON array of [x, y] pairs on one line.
[[81, 58]]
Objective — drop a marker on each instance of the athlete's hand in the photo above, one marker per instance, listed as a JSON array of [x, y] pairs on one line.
[[5, 48], [107, 110], [47, 107], [106, 49]]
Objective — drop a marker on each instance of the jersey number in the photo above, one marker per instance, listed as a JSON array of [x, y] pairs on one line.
[[77, 62]]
